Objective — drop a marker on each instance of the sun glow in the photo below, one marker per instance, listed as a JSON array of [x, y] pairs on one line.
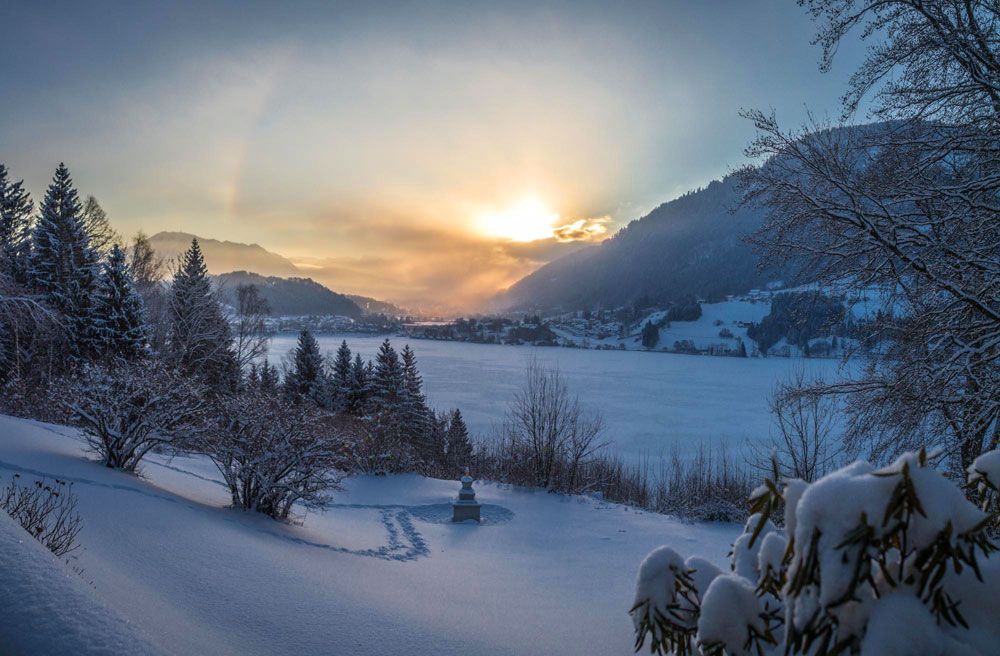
[[527, 221]]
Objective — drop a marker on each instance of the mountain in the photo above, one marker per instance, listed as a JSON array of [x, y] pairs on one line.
[[290, 296], [688, 246], [372, 306], [224, 256]]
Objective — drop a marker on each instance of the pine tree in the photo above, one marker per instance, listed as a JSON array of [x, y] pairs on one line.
[[415, 414], [15, 226], [62, 266], [650, 335], [269, 378], [119, 310], [387, 384], [459, 446], [357, 396], [200, 339], [305, 379], [341, 377]]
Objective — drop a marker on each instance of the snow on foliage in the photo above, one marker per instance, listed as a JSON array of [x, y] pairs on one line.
[[127, 409], [865, 555]]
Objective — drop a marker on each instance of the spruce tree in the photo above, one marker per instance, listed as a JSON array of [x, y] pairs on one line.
[[120, 313], [459, 446], [200, 339], [15, 226], [305, 379], [357, 396], [416, 416], [269, 377], [387, 384], [341, 377], [62, 266]]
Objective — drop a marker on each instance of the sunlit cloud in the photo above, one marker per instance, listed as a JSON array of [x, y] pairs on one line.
[[582, 230]]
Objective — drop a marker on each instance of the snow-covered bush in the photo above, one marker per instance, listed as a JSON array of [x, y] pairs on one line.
[[127, 409], [870, 561], [45, 510], [272, 453]]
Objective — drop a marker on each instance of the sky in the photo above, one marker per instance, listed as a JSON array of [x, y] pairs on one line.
[[427, 153]]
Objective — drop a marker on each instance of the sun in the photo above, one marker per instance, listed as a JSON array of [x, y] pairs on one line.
[[527, 221]]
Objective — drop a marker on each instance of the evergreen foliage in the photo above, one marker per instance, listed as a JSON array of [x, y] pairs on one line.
[[341, 377], [200, 339], [650, 335], [15, 226], [307, 375], [356, 401], [459, 448], [63, 266], [387, 383], [120, 312]]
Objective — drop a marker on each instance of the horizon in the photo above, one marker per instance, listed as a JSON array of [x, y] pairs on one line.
[[428, 156]]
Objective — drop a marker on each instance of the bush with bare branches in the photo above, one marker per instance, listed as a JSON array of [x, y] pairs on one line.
[[273, 454], [128, 409], [804, 443], [546, 434], [47, 511]]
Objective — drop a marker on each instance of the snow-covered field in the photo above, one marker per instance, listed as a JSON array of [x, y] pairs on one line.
[[649, 400], [168, 567]]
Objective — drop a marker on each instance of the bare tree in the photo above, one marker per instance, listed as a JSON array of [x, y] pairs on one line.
[[128, 409], [251, 336], [803, 443], [98, 227], [273, 454], [550, 429], [31, 333], [148, 271], [910, 207]]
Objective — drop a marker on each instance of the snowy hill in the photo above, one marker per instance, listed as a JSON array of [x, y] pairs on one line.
[[382, 570]]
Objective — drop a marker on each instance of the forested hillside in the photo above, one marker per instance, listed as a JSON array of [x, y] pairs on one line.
[[290, 296], [691, 245]]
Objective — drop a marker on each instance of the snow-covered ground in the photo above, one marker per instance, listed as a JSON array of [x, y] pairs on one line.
[[167, 566], [650, 401]]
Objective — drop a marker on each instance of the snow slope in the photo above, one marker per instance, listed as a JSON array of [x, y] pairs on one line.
[[49, 609], [380, 571]]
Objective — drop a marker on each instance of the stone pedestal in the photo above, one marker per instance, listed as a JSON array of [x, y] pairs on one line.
[[466, 507]]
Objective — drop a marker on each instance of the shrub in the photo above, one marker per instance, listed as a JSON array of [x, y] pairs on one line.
[[864, 552], [273, 454], [46, 511], [127, 409]]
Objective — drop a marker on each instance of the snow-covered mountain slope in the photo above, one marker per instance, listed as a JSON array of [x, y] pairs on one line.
[[382, 570]]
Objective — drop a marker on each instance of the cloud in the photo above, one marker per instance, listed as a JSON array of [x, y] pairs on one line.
[[582, 230]]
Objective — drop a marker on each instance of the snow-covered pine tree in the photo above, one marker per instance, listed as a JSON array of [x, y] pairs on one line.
[[435, 448], [120, 315], [387, 383], [459, 446], [15, 226], [269, 377], [200, 339], [63, 266], [341, 377], [305, 378], [357, 395], [415, 414]]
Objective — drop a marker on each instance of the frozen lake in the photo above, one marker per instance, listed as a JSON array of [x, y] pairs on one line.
[[650, 401]]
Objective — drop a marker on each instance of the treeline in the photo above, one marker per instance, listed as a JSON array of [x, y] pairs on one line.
[[798, 317], [92, 334]]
